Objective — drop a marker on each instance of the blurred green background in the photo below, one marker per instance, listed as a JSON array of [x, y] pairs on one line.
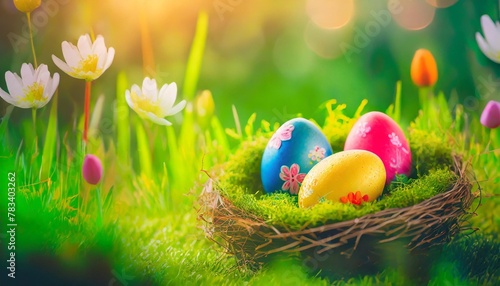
[[276, 58]]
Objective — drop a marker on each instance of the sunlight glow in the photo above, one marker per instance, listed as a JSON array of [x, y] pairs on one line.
[[413, 15], [442, 3], [330, 14], [324, 42]]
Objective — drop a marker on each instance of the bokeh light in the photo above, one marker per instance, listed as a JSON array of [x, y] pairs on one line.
[[412, 14], [324, 42], [442, 3], [330, 14]]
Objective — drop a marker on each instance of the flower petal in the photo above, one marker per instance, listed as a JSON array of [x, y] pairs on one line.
[[158, 120], [62, 65], [54, 84], [294, 187], [51, 87], [486, 49], [27, 74], [101, 60], [294, 170], [286, 186], [42, 69], [98, 47], [149, 89], [109, 59], [180, 106], [284, 173], [14, 85], [167, 96], [137, 90], [85, 46], [128, 99], [300, 177], [7, 97], [71, 54], [24, 104], [491, 34]]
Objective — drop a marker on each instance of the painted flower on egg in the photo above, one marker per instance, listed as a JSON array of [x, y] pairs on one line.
[[363, 129], [283, 134], [317, 154], [292, 177]]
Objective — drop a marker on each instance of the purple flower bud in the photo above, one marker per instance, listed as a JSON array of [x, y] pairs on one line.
[[92, 169], [491, 114]]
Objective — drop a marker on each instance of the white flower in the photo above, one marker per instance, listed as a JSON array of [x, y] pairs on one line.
[[88, 61], [150, 103], [33, 89], [490, 44]]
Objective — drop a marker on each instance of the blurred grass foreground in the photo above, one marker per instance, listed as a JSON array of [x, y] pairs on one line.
[[242, 68]]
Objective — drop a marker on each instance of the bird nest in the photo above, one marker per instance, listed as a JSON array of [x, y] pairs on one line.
[[328, 240]]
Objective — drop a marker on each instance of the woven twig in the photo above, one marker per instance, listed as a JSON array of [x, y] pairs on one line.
[[432, 222]]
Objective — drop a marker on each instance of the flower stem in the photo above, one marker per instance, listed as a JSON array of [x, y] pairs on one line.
[[426, 97], [33, 116], [88, 85], [99, 207], [31, 37]]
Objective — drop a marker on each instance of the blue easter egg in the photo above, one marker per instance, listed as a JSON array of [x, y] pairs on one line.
[[291, 152]]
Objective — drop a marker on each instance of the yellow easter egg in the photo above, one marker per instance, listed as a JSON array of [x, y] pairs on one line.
[[352, 176]]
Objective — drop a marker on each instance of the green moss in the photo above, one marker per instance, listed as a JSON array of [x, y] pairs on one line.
[[429, 150], [243, 169], [475, 257]]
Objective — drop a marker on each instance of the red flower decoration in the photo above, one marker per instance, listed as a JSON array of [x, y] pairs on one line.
[[355, 199]]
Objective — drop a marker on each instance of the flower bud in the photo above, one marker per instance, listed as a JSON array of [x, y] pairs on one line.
[[92, 169], [424, 71], [27, 6], [491, 114], [204, 106]]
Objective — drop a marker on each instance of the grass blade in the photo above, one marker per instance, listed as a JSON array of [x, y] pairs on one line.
[[143, 148], [49, 148], [122, 123], [196, 56]]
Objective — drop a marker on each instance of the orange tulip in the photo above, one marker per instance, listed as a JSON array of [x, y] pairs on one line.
[[424, 71]]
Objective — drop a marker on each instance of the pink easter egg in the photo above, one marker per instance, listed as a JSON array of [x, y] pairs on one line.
[[92, 169], [378, 133]]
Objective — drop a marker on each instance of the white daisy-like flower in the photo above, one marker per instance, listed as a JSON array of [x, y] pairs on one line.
[[87, 60], [33, 89], [490, 44], [150, 103]]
